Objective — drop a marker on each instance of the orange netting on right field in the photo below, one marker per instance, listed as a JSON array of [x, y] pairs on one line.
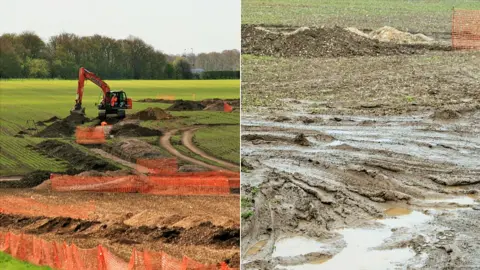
[[466, 29], [69, 257]]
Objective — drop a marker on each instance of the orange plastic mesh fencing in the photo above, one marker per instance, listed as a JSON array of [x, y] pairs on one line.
[[70, 257], [466, 29], [189, 185], [213, 183], [159, 166], [227, 107], [90, 135], [129, 183], [31, 207]]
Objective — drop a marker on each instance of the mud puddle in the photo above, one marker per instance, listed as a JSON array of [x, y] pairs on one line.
[[362, 246]]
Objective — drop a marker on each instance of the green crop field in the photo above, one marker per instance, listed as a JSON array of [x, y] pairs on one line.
[[7, 262], [37, 100], [425, 16], [22, 100], [220, 141]]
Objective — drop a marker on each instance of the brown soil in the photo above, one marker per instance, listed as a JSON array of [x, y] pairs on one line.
[[320, 42], [62, 128], [133, 149], [122, 222], [133, 130], [28, 181], [300, 139], [186, 105], [215, 106], [155, 100], [78, 160], [151, 114]]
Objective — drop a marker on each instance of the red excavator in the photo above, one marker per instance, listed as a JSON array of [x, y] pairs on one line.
[[113, 102]]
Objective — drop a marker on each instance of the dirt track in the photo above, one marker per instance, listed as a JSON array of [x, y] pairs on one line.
[[165, 143], [187, 141]]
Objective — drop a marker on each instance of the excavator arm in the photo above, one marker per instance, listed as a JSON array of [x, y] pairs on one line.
[[85, 74]]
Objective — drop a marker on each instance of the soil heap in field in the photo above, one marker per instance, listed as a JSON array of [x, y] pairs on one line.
[[63, 127], [320, 42], [133, 149], [151, 114], [156, 100], [78, 160], [28, 181], [186, 105], [133, 130]]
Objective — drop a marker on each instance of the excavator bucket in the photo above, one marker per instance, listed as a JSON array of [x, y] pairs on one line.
[[79, 111]]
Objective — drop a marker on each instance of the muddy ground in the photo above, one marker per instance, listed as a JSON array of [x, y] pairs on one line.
[[333, 142], [201, 227]]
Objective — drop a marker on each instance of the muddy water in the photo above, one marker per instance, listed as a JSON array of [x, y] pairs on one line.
[[361, 251], [298, 245], [255, 249]]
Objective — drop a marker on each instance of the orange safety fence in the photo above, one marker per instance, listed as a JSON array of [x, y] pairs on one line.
[[176, 184], [69, 257], [161, 166], [31, 207], [166, 97], [466, 29], [90, 135]]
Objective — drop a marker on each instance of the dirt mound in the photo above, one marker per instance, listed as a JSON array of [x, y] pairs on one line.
[[390, 34], [133, 149], [133, 130], [62, 128], [151, 114], [51, 119], [186, 105], [445, 114], [155, 100], [77, 159], [28, 181], [215, 106], [321, 42]]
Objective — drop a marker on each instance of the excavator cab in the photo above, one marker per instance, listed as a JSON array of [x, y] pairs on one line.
[[115, 102]]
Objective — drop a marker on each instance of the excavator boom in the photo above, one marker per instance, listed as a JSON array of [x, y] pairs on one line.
[[85, 74]]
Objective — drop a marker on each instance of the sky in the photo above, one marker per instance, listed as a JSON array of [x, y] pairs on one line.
[[171, 26]]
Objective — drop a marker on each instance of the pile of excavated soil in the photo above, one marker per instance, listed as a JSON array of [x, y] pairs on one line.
[[63, 127], [321, 42], [133, 130], [151, 114], [390, 34], [186, 105], [215, 106], [133, 149], [28, 181], [77, 159], [155, 100]]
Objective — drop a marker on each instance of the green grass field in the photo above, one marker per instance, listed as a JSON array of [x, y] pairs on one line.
[[7, 262], [23, 100], [425, 16], [37, 100], [223, 147]]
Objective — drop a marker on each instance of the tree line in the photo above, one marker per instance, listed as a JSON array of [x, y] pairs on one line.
[[26, 55]]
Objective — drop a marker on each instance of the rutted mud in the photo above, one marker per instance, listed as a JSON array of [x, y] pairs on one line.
[[347, 176]]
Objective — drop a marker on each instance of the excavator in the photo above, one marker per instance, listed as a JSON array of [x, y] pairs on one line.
[[112, 102]]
